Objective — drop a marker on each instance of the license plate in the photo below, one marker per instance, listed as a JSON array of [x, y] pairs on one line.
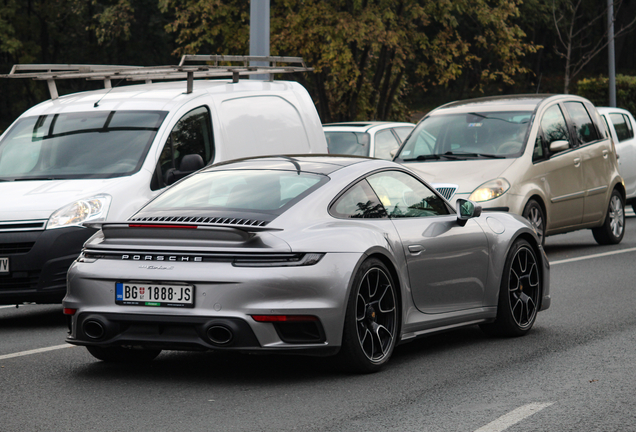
[[157, 295], [4, 265]]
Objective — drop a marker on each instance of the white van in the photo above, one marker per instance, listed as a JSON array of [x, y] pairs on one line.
[[100, 155]]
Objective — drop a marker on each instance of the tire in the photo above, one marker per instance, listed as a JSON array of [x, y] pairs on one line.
[[123, 355], [536, 216], [519, 293], [371, 325], [613, 229]]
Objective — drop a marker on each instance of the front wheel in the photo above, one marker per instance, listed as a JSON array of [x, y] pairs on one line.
[[535, 215], [519, 293], [123, 355], [372, 317], [613, 229]]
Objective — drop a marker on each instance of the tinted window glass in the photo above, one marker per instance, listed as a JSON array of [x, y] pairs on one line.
[[405, 196], [348, 143], [191, 135], [359, 201], [78, 145], [385, 141], [554, 126], [622, 125], [583, 125]]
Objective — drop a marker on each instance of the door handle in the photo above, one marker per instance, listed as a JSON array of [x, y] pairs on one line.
[[605, 153], [577, 162], [416, 249]]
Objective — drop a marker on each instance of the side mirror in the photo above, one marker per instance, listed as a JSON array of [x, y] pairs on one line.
[[466, 209], [559, 146], [393, 152]]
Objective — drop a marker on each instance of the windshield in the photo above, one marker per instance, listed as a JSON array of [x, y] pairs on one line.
[[467, 136], [78, 145], [247, 190], [348, 143]]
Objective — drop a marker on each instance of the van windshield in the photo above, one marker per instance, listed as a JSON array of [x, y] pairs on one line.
[[472, 135], [78, 145]]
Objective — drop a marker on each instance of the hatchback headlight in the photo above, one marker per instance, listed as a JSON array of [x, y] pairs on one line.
[[89, 209], [490, 190]]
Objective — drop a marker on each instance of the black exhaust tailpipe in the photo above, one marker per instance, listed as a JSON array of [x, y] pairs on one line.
[[93, 329], [219, 334]]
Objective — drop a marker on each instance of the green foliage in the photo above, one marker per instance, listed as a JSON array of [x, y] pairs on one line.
[[597, 91]]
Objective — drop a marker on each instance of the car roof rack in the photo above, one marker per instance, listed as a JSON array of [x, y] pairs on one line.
[[191, 67]]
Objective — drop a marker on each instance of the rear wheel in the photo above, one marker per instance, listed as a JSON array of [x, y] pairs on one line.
[[123, 355], [519, 293], [535, 215], [371, 322], [613, 229]]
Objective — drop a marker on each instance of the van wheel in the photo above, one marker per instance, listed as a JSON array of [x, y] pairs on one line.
[[534, 213], [613, 229]]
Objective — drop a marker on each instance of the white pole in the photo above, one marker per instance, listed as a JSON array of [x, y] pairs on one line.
[[610, 53], [259, 34]]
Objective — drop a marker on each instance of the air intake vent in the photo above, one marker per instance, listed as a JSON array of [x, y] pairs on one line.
[[202, 220], [446, 190], [29, 225], [15, 248]]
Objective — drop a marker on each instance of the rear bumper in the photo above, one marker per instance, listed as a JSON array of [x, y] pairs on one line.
[[38, 263]]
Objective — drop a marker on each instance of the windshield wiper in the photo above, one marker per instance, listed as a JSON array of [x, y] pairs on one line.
[[477, 155], [431, 157], [38, 178]]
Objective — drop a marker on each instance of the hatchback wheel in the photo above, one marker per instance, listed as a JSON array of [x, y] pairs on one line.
[[371, 322], [519, 294], [534, 213], [123, 355], [613, 229]]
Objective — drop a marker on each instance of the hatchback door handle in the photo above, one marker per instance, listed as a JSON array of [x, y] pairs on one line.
[[605, 153], [416, 249], [577, 162]]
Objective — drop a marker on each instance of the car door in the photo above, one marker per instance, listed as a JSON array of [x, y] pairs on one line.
[[561, 172], [595, 150], [447, 263]]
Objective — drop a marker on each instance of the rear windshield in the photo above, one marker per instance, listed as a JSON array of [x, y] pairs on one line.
[[348, 143], [266, 191], [468, 135], [78, 145]]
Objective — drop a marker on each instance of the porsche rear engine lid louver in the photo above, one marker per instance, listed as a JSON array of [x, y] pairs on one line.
[[200, 220]]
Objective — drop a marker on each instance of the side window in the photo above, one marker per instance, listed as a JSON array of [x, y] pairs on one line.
[[191, 135], [554, 126], [583, 125], [623, 126], [403, 132], [404, 196], [385, 141], [538, 152], [358, 202]]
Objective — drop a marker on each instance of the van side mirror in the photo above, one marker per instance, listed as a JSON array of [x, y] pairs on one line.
[[559, 146], [189, 164], [466, 209]]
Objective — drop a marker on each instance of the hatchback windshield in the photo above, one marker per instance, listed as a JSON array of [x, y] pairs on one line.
[[249, 190], [468, 135], [78, 145]]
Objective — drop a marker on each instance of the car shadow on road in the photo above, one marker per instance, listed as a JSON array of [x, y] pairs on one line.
[[30, 317]]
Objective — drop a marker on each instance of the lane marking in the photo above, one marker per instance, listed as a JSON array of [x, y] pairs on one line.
[[513, 417], [593, 256], [7, 307], [35, 351]]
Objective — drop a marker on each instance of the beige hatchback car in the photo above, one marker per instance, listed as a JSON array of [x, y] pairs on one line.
[[546, 157]]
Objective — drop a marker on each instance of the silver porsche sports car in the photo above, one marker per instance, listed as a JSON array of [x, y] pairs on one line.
[[317, 255]]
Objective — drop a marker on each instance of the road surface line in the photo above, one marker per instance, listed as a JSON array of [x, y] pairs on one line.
[[593, 256], [513, 417], [35, 351]]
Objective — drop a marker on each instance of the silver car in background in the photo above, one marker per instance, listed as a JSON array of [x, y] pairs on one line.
[[314, 255], [374, 139]]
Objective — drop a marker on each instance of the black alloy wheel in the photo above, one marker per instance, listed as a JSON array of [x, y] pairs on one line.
[[535, 215], [519, 294], [372, 320]]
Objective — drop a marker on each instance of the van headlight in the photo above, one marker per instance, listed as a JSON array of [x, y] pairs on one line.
[[490, 190], [92, 209]]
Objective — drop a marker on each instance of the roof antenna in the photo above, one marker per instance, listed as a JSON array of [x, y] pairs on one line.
[[539, 84], [96, 104]]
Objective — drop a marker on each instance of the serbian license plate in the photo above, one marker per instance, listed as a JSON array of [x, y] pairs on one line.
[[4, 265], [143, 294]]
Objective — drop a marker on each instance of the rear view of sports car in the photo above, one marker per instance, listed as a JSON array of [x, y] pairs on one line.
[[311, 254]]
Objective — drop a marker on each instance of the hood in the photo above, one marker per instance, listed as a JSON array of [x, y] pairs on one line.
[[28, 200], [466, 174]]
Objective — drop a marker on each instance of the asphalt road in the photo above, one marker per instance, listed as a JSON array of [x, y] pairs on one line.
[[573, 372]]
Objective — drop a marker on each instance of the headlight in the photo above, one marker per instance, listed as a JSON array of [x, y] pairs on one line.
[[490, 190], [90, 209]]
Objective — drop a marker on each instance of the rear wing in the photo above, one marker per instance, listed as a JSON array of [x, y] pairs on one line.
[[190, 67]]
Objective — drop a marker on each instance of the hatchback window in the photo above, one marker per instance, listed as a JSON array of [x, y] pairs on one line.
[[583, 125], [385, 142], [623, 126], [348, 143], [78, 145]]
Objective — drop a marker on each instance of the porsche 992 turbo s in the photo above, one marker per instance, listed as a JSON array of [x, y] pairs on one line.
[[316, 255]]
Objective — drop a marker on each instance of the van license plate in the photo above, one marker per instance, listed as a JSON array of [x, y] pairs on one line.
[[4, 265], [157, 295]]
